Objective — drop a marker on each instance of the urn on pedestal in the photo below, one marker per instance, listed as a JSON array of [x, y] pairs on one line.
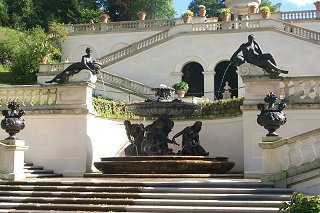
[[13, 121], [271, 117]]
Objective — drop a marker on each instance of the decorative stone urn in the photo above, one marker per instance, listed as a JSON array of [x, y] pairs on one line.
[[271, 117], [13, 123]]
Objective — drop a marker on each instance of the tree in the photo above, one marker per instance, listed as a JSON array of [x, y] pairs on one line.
[[268, 3], [124, 10], [212, 6]]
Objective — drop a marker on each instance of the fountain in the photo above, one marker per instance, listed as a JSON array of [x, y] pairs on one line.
[[149, 151]]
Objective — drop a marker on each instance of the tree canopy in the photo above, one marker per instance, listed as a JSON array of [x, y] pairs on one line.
[[212, 6], [268, 3]]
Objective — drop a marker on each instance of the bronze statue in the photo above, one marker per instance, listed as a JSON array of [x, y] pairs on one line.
[[190, 140], [156, 137], [252, 54], [87, 62], [135, 134]]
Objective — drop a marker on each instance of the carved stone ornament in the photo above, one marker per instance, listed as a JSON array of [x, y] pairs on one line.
[[271, 116], [13, 122]]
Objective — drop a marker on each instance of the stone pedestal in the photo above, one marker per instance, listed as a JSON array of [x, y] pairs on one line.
[[12, 159], [273, 160], [258, 84], [83, 76]]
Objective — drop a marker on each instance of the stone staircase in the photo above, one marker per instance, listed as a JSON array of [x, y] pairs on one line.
[[32, 171], [141, 195]]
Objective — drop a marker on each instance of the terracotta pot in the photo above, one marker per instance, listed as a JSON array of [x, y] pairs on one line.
[[142, 16], [225, 17], [252, 9], [104, 17], [181, 93], [202, 13], [186, 19], [43, 59], [317, 4], [265, 15]]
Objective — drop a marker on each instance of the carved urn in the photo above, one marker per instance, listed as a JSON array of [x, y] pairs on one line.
[[271, 116], [13, 122]]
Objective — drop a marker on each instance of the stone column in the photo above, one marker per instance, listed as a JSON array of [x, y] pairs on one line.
[[176, 76], [208, 78], [12, 159]]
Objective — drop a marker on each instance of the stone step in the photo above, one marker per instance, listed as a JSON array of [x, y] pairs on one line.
[[137, 183], [147, 189], [32, 171], [185, 196], [104, 208], [156, 202], [37, 171]]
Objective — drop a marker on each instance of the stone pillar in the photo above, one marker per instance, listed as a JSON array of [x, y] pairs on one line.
[[257, 86], [273, 160], [208, 78], [77, 96], [12, 159]]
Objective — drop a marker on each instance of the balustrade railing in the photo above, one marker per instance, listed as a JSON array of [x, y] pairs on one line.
[[29, 95], [123, 25], [302, 32], [136, 87], [301, 89], [135, 47], [230, 25], [75, 97], [298, 15]]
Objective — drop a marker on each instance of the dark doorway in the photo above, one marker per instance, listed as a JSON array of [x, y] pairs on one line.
[[222, 75], [192, 74]]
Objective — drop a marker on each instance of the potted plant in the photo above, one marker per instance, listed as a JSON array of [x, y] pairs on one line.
[[225, 14], [202, 10], [265, 11], [104, 17], [317, 4], [252, 8], [181, 88], [142, 15], [186, 16]]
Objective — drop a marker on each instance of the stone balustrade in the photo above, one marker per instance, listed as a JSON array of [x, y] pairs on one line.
[[152, 24], [285, 157], [125, 83], [304, 89], [75, 97], [298, 15], [135, 47]]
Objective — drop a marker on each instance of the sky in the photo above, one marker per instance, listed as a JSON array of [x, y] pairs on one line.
[[287, 5]]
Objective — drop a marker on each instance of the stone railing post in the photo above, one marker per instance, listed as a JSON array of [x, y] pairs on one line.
[[12, 159], [272, 154]]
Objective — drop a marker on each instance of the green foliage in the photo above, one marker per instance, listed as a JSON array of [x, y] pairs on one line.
[[111, 109], [220, 108], [302, 204], [182, 85], [209, 109], [21, 51], [212, 6], [187, 13], [225, 11], [268, 3], [265, 9]]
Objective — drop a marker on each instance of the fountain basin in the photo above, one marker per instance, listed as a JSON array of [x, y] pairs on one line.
[[164, 165], [166, 109]]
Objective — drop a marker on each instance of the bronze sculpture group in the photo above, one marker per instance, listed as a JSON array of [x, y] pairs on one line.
[[153, 139]]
